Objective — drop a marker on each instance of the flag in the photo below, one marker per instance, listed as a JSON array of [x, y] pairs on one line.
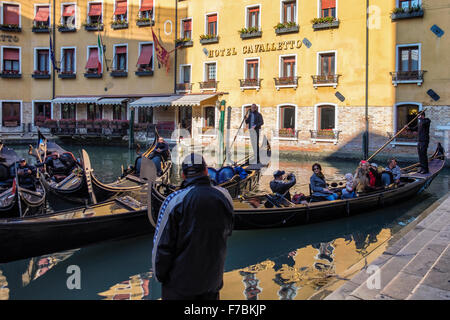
[[52, 56], [14, 186], [161, 53], [100, 54]]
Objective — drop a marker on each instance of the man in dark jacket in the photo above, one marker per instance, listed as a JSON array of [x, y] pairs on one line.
[[279, 186], [423, 133], [160, 153], [190, 242], [255, 120], [26, 174]]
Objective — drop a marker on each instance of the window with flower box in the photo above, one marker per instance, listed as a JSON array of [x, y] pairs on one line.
[[68, 18], [186, 29], [146, 17], [11, 17], [11, 111], [287, 121], [94, 64], [41, 22], [211, 25], [145, 60], [95, 17], [120, 61], [120, 14], [42, 112], [68, 62], [289, 11], [11, 67], [42, 63], [253, 17]]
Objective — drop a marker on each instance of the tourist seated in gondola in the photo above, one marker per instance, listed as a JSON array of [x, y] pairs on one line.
[[26, 174], [58, 166], [391, 173], [349, 191], [361, 181], [374, 176], [281, 187], [161, 153], [318, 185]]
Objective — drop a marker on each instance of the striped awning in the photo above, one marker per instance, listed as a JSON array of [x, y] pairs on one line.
[[172, 101], [111, 101], [75, 100]]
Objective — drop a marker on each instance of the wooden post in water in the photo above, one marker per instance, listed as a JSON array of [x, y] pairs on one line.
[[131, 130]]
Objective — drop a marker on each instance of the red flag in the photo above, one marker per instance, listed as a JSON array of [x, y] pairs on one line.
[[161, 53], [14, 187]]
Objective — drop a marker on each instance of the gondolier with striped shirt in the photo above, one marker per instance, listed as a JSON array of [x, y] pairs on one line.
[[190, 242]]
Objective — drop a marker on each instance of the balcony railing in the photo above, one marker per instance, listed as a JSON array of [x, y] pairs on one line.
[[415, 76], [250, 84], [286, 133], [325, 135], [208, 85], [286, 82], [330, 80], [184, 87]]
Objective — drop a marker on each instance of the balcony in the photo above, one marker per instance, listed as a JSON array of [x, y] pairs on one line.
[[118, 73], [40, 75], [325, 135], [248, 84], [207, 39], [10, 74], [10, 28], [400, 13], [324, 23], [286, 134], [325, 80], [286, 82], [208, 85], [67, 75], [415, 76], [184, 87]]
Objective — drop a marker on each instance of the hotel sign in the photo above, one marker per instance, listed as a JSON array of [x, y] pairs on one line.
[[257, 48], [8, 38]]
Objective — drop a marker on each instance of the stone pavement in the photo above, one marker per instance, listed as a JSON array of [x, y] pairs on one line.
[[416, 267]]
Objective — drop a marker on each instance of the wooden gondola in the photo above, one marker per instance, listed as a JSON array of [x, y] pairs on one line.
[[16, 200]]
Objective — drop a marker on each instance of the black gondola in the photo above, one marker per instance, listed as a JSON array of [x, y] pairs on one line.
[[16, 200], [127, 216]]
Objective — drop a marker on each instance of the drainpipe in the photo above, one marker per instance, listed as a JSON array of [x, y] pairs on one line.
[[176, 51], [54, 48], [366, 133]]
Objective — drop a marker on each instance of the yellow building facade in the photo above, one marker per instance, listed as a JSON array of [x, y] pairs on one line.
[[302, 62]]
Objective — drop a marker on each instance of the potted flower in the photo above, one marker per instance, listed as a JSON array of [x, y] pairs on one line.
[[287, 27], [324, 23], [209, 38], [251, 32]]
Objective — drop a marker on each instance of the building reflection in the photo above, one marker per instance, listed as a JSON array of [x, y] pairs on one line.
[[137, 287]]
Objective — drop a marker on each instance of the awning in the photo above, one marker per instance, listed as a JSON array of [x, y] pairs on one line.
[[93, 61], [42, 14], [11, 14], [69, 10], [172, 101], [95, 9], [75, 100], [11, 54], [146, 5], [111, 101], [146, 54], [121, 8]]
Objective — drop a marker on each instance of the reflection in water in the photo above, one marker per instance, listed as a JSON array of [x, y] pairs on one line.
[[288, 264]]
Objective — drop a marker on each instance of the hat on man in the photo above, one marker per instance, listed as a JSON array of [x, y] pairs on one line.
[[22, 160], [278, 173], [193, 165], [374, 165]]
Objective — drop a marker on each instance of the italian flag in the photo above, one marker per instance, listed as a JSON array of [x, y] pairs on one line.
[[100, 53]]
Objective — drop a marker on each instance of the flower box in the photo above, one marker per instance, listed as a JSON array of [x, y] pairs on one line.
[[289, 27], [250, 33], [184, 43], [413, 12], [67, 75], [93, 27], [40, 75], [118, 73], [44, 29], [119, 25], [144, 72], [325, 23], [209, 39], [11, 28], [93, 75], [145, 22], [66, 29], [50, 123], [11, 123], [9, 74]]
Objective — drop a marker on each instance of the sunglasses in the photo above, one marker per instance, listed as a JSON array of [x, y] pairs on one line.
[[316, 168]]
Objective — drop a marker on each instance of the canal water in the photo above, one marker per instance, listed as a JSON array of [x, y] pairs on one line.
[[287, 263]]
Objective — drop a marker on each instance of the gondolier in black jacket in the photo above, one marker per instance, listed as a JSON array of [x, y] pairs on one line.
[[190, 242], [423, 128], [255, 120]]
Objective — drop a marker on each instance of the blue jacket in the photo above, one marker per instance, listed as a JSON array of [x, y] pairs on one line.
[[281, 187], [317, 186]]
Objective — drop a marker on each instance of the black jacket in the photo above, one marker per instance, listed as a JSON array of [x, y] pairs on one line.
[[259, 121], [190, 242], [423, 128], [281, 187]]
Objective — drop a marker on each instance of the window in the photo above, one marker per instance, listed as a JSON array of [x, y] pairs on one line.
[[185, 74], [408, 58], [327, 8], [288, 11], [11, 14], [121, 10], [146, 10], [210, 69], [145, 115], [42, 111], [120, 58], [42, 61], [406, 113], [327, 64], [42, 16], [68, 61], [407, 4], [288, 67], [186, 30], [251, 69], [212, 24], [145, 61], [119, 112], [326, 117], [11, 61], [10, 114], [68, 111], [94, 111], [95, 13], [287, 117], [253, 17], [93, 64], [209, 117], [68, 15]]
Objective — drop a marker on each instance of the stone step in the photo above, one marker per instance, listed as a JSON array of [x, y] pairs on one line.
[[412, 274], [401, 254], [360, 279], [436, 283]]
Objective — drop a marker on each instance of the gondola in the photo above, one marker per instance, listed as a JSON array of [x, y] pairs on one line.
[[16, 200]]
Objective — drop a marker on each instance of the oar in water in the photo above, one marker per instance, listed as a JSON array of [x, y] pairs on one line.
[[395, 136]]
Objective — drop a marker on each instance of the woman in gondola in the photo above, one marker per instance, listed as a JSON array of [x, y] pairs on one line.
[[319, 186]]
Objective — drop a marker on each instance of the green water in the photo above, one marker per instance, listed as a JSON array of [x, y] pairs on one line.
[[289, 263]]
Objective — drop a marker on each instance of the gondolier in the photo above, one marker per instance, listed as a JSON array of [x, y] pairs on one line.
[[191, 236], [423, 129], [255, 120]]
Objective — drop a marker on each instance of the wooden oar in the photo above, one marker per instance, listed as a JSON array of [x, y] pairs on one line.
[[395, 136], [245, 117]]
